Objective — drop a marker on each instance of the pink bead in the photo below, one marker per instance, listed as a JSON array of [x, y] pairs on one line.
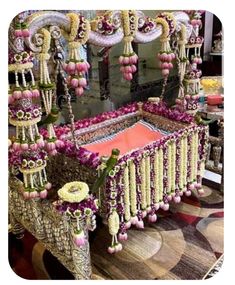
[[193, 22], [128, 76], [48, 186], [26, 194], [74, 82], [16, 146], [126, 60], [164, 56], [82, 82], [188, 193], [27, 94], [71, 67], [79, 91], [169, 58], [198, 185], [133, 59], [79, 241], [122, 236], [181, 193], [50, 146], [111, 249], [191, 187], [164, 65], [25, 33], [170, 65], [169, 197], [18, 33], [165, 207], [43, 194], [152, 218], [81, 67], [165, 72], [199, 61], [177, 199], [10, 99], [17, 94], [24, 146], [140, 224], [120, 60], [172, 55], [35, 93], [127, 69], [187, 97], [33, 194], [33, 146]]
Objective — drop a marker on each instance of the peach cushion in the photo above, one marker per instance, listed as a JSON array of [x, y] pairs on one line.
[[129, 139]]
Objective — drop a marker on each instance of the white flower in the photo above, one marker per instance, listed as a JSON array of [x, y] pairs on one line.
[[36, 112], [88, 212], [39, 162], [20, 114], [77, 213], [24, 163], [74, 191], [31, 164]]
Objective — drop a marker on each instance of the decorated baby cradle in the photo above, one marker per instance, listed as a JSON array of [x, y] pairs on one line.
[[159, 166], [144, 179]]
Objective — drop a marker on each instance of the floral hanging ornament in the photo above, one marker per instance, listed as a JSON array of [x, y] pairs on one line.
[[75, 66], [47, 90], [80, 206], [182, 63], [166, 55], [113, 223], [129, 58], [24, 116], [33, 164], [22, 63]]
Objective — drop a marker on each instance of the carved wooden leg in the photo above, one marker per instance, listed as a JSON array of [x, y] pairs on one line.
[[17, 228]]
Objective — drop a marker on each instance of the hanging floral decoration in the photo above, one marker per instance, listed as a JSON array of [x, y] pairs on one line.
[[47, 90], [75, 66], [32, 166], [78, 205], [166, 55], [193, 73], [129, 58], [182, 63]]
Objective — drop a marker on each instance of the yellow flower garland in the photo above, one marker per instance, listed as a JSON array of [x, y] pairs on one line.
[[143, 183], [126, 194], [74, 24], [147, 175], [133, 188], [173, 168]]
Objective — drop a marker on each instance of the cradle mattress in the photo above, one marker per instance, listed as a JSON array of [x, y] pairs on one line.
[[136, 136]]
